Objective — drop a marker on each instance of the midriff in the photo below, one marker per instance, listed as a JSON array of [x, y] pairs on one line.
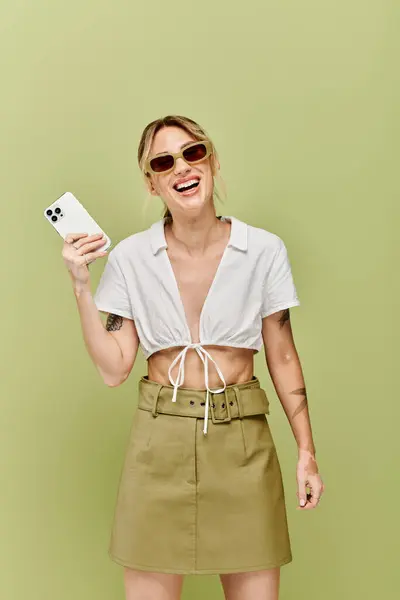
[[236, 364]]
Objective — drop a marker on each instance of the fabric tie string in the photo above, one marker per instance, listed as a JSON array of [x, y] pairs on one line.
[[205, 356]]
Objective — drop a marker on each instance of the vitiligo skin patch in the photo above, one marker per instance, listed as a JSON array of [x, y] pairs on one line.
[[114, 322]]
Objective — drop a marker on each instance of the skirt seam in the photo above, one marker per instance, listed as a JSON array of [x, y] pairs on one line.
[[271, 565], [196, 496]]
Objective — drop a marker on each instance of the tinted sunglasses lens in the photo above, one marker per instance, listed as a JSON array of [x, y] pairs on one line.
[[196, 152], [162, 163]]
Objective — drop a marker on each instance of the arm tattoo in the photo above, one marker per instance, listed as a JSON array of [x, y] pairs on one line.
[[114, 322], [303, 403], [284, 317]]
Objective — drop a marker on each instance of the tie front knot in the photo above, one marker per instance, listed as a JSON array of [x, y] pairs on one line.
[[204, 356]]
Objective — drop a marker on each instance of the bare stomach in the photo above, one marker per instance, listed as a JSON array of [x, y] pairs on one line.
[[236, 364]]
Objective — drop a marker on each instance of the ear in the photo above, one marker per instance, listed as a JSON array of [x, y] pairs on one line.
[[215, 166], [150, 186]]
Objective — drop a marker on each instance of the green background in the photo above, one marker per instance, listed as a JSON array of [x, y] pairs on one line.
[[302, 102]]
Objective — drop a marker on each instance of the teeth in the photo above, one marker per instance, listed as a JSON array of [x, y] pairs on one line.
[[182, 186]]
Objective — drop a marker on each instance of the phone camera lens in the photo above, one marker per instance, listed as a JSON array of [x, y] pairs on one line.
[[54, 218], [57, 210], [49, 211]]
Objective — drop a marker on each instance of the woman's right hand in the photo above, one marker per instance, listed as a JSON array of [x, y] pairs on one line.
[[79, 250]]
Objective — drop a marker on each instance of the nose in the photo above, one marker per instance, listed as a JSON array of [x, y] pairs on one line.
[[181, 166]]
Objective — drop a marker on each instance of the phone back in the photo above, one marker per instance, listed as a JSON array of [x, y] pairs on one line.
[[68, 215]]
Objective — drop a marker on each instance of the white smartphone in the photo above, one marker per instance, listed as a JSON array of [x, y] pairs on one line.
[[68, 215]]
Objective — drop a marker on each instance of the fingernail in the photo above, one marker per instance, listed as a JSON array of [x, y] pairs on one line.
[[302, 502]]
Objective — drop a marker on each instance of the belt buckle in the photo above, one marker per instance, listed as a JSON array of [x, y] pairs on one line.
[[226, 419]]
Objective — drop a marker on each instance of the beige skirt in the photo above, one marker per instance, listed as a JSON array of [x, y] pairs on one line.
[[191, 503]]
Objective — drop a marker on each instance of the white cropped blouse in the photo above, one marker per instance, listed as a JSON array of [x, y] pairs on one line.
[[253, 280]]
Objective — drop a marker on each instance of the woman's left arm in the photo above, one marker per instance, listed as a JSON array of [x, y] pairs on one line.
[[287, 376]]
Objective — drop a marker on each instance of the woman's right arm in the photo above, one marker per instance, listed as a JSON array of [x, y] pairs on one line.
[[112, 348]]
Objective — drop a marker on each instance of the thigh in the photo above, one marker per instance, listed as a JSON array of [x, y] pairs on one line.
[[146, 585], [263, 585]]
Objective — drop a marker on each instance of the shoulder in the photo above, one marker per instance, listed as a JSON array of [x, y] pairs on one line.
[[263, 241], [132, 246]]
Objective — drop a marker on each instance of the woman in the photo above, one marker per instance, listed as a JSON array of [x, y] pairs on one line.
[[201, 487]]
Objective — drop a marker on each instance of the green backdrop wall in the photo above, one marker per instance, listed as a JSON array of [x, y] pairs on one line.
[[301, 99]]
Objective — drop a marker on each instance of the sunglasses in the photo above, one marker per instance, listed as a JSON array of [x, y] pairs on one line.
[[192, 154]]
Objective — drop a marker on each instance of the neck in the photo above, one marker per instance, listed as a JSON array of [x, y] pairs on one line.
[[196, 234]]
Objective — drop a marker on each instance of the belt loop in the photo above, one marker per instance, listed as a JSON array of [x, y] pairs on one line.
[[154, 409], [228, 410], [238, 402]]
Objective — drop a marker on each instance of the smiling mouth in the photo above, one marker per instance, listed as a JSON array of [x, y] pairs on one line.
[[185, 187]]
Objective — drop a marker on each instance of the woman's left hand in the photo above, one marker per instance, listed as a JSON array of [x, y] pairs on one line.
[[308, 476]]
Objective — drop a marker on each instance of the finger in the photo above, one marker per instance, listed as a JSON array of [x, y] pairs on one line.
[[72, 237], [301, 492], [318, 488], [308, 506], [89, 239], [314, 496], [92, 256], [313, 501], [88, 247]]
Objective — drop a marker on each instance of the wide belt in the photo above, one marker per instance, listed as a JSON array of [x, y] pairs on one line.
[[233, 403], [205, 357]]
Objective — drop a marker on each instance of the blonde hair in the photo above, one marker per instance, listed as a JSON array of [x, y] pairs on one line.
[[193, 129]]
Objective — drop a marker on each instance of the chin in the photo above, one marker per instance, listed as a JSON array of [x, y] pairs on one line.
[[195, 200]]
